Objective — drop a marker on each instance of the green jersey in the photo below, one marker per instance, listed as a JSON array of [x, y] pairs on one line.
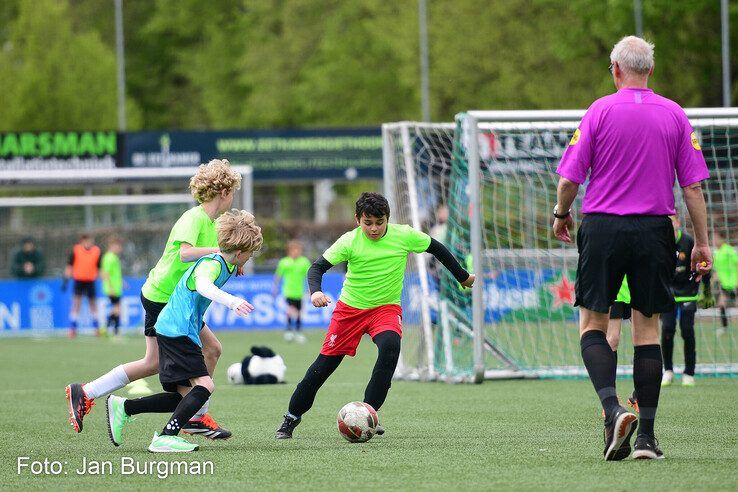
[[110, 264], [725, 264], [376, 269], [294, 273], [195, 228], [624, 292]]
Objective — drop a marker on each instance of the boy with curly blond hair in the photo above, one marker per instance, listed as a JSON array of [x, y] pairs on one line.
[[183, 373], [192, 237]]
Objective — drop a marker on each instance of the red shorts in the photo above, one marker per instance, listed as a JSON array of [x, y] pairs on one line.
[[348, 324]]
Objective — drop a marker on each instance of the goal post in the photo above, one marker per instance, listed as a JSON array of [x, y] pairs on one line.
[[494, 174]]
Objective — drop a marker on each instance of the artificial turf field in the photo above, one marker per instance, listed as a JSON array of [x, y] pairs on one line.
[[503, 435]]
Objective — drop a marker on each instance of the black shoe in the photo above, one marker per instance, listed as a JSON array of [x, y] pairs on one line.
[[205, 426], [79, 405], [647, 448], [379, 429], [618, 429], [285, 430]]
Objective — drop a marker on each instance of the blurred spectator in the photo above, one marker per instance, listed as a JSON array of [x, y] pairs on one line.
[[438, 230], [27, 261], [112, 275], [83, 268]]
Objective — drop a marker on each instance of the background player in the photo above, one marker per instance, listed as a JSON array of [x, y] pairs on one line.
[[83, 267], [686, 293], [619, 311], [292, 272], [376, 252], [112, 277], [182, 370], [192, 237], [726, 267]]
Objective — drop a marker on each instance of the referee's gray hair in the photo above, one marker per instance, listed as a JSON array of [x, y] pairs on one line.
[[633, 55]]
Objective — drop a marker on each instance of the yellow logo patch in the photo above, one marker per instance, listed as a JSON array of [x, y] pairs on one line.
[[577, 134], [695, 142]]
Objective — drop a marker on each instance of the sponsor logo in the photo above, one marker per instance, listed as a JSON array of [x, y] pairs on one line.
[[695, 142], [563, 292], [575, 137]]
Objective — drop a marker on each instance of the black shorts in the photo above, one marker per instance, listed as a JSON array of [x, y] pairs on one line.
[[731, 295], [612, 246], [620, 310], [180, 359], [114, 300], [151, 310], [84, 288], [295, 303]]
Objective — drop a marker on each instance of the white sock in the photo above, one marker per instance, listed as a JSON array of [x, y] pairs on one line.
[[107, 383], [202, 411]]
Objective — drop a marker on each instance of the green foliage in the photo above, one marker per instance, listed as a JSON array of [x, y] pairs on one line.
[[315, 63], [53, 77]]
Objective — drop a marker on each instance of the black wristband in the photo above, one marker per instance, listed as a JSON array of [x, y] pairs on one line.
[[561, 216]]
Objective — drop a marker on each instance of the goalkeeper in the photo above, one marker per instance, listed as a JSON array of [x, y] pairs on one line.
[[686, 295]]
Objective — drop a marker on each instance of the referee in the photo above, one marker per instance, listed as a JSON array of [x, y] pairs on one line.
[[630, 145]]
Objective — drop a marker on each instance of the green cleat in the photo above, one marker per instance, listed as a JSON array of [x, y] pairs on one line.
[[117, 418], [171, 444]]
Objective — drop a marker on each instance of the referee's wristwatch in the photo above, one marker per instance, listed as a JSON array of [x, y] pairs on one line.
[[558, 215]]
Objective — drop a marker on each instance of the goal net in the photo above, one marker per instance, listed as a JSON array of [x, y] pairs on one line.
[[485, 186]]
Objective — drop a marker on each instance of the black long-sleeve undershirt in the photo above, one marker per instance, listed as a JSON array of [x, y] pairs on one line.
[[437, 249], [315, 274], [442, 254]]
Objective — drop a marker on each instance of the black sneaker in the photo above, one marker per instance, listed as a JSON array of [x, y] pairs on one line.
[[647, 448], [618, 429], [206, 426], [285, 430], [79, 405], [379, 429]]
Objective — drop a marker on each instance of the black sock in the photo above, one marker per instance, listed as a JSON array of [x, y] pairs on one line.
[[647, 380], [298, 323], [186, 409], [317, 374], [723, 317], [116, 323], [615, 354], [600, 363], [388, 345], [159, 403]]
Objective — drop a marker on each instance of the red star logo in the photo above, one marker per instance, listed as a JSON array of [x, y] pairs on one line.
[[563, 292]]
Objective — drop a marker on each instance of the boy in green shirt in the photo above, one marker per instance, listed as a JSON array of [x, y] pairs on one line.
[[183, 372], [376, 253], [112, 276], [292, 272], [725, 264], [192, 237]]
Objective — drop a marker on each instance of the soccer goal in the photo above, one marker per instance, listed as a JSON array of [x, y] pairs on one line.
[[485, 185]]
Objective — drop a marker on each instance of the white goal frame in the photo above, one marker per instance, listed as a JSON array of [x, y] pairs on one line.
[[473, 121]]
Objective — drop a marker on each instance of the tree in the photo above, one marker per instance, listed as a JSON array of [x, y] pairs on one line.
[[53, 78]]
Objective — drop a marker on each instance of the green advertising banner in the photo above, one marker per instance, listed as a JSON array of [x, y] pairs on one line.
[[58, 150]]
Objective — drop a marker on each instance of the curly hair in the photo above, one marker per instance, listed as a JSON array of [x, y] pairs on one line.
[[212, 178], [372, 205], [237, 231]]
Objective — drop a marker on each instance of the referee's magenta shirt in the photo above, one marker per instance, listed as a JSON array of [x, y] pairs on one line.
[[632, 144]]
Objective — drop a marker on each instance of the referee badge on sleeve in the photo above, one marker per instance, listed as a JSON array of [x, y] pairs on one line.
[[577, 134], [695, 142]]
